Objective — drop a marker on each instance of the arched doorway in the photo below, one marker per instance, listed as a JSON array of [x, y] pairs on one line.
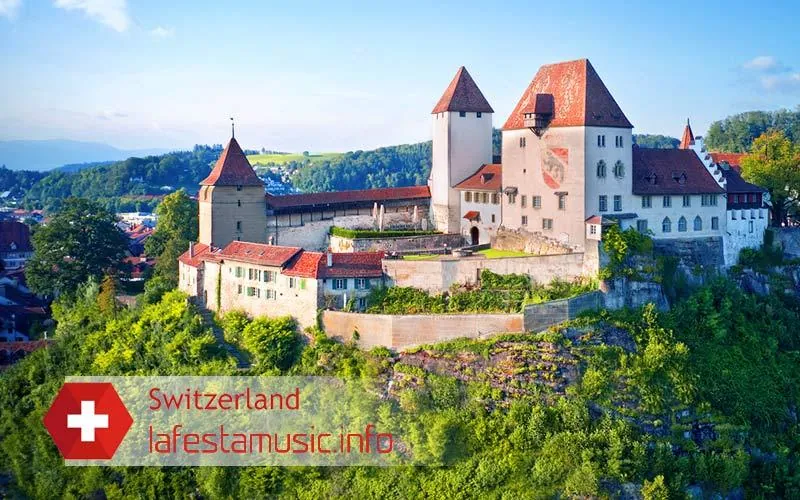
[[474, 235]]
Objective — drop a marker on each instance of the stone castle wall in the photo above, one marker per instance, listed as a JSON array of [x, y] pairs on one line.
[[438, 275], [705, 252], [520, 240]]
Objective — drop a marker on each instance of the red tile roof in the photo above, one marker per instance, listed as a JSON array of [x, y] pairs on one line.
[[258, 253], [472, 215], [676, 171], [462, 94], [15, 233], [579, 95], [199, 251], [232, 169], [594, 219], [688, 137], [487, 178], [732, 159], [307, 265], [335, 197], [344, 265]]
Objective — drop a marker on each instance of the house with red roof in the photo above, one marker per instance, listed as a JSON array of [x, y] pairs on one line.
[[15, 244], [271, 280], [746, 205], [480, 195]]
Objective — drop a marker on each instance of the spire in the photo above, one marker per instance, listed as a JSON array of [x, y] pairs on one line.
[[233, 131], [232, 169], [462, 94], [688, 137]]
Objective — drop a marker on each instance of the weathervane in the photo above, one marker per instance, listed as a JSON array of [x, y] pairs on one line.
[[233, 132]]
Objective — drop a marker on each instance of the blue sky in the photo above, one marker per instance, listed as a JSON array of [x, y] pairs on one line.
[[335, 76]]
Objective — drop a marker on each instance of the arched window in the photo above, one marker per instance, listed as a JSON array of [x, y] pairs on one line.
[[619, 169], [682, 224], [698, 223], [666, 225], [601, 169]]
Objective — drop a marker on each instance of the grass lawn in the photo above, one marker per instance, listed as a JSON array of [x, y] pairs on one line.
[[421, 257], [281, 159], [499, 254]]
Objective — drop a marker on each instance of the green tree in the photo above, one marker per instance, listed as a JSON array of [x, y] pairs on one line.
[[271, 341], [177, 219], [107, 298], [736, 133], [774, 163], [80, 242]]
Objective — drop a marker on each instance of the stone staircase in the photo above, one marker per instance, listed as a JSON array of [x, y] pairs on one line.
[[208, 320]]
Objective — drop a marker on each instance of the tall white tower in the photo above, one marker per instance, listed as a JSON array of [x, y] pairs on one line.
[[462, 142]]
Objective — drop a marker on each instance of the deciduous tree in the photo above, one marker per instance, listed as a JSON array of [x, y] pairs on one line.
[[774, 164]]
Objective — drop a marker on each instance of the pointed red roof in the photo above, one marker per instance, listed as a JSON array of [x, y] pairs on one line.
[[232, 169], [688, 137], [462, 94], [580, 98]]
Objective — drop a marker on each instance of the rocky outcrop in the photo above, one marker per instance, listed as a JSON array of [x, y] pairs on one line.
[[622, 293]]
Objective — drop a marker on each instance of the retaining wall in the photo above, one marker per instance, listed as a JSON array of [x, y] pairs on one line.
[[391, 244]]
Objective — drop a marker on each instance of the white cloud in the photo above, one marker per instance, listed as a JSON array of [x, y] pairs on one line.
[[112, 13], [9, 8], [162, 32], [783, 82], [762, 63]]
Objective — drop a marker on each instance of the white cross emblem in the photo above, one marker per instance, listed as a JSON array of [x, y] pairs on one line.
[[87, 421]]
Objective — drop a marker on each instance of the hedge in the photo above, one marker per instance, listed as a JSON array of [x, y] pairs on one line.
[[368, 233]]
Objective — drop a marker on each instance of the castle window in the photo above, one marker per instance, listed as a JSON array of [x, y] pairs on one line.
[[239, 202], [239, 272], [239, 187], [492, 218], [667, 201], [601, 141], [462, 114], [292, 282], [468, 196], [592, 228], [562, 202], [601, 169], [619, 170], [698, 223], [522, 142], [239, 289], [617, 203], [523, 201], [537, 202], [687, 200], [682, 224], [603, 203], [760, 214], [641, 225], [751, 226], [647, 201], [361, 283], [715, 223], [666, 225], [238, 225], [547, 224], [495, 199], [733, 214], [485, 197], [270, 294], [524, 220], [512, 198], [479, 114], [339, 284]]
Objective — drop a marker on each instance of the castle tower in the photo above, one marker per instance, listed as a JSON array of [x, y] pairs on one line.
[[232, 203], [462, 142], [687, 141]]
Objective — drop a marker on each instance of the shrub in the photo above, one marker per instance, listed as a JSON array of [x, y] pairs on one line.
[[273, 342], [233, 324], [621, 246]]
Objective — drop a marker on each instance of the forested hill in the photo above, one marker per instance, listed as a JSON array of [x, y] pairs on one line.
[[735, 133], [118, 185]]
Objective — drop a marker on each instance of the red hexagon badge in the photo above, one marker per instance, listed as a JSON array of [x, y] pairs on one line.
[[87, 421]]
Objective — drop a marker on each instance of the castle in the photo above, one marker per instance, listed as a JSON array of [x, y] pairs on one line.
[[568, 169]]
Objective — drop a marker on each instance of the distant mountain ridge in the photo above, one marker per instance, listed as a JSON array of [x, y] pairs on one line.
[[49, 154]]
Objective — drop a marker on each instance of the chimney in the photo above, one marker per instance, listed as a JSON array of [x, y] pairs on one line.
[[330, 259], [191, 249]]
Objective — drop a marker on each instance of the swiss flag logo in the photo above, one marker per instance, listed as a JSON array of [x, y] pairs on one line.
[[87, 421]]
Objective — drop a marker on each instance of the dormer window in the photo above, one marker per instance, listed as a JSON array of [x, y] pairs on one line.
[[238, 187], [478, 114], [539, 113], [651, 179], [462, 114]]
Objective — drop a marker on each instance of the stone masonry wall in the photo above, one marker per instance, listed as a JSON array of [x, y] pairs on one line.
[[705, 252], [437, 276], [538, 317], [521, 240], [401, 332]]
